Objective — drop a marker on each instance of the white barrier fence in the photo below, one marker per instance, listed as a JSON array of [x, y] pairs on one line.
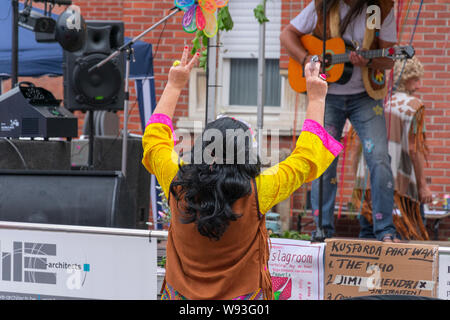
[[42, 261]]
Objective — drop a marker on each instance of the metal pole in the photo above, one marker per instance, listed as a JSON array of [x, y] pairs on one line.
[[91, 140], [320, 234], [158, 234], [211, 83], [261, 81], [129, 53], [15, 43]]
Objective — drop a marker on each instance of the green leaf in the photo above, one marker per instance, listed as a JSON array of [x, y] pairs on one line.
[[224, 20], [205, 41], [260, 14]]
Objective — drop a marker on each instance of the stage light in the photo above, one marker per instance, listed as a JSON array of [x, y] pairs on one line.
[[69, 30], [36, 22]]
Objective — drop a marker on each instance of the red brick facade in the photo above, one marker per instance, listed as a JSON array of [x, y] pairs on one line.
[[431, 42]]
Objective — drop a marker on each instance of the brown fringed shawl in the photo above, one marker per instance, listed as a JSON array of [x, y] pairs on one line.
[[404, 118]]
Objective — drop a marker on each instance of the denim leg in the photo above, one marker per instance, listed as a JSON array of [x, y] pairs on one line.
[[366, 228], [367, 117], [422, 214], [334, 122]]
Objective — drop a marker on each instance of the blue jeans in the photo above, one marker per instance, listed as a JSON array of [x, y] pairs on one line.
[[367, 118]]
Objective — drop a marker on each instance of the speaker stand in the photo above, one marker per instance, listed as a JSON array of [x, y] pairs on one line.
[[320, 233], [127, 47], [91, 141], [130, 55]]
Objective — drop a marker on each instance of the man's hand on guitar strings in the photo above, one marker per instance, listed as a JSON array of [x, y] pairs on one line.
[[357, 59]]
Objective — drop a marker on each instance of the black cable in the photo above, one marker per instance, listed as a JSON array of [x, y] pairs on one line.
[[18, 152], [396, 83], [101, 158], [159, 39]]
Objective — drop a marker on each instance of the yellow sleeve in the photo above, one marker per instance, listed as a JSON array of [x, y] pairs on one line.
[[314, 152], [159, 157]]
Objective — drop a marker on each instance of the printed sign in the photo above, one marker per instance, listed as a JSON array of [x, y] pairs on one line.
[[62, 265], [444, 274], [362, 268], [296, 268]]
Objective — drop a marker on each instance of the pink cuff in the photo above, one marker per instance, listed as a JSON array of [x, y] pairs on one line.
[[328, 141], [164, 119]]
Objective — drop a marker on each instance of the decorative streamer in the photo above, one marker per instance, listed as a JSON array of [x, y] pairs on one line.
[[200, 15]]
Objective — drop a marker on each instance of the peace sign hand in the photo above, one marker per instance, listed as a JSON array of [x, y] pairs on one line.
[[179, 72]]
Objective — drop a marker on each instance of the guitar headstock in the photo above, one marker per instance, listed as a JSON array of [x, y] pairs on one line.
[[401, 52]]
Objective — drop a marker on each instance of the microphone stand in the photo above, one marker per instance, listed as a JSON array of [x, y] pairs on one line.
[[14, 42], [127, 48], [320, 233]]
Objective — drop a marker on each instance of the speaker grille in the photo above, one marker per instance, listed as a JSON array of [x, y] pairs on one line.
[[30, 126], [99, 87], [103, 88]]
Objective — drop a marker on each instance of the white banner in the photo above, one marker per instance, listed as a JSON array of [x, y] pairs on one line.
[[62, 265], [444, 274], [296, 268]]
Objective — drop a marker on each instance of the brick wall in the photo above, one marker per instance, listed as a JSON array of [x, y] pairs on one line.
[[431, 42]]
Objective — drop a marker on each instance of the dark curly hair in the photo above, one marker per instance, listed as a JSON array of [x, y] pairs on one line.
[[207, 187]]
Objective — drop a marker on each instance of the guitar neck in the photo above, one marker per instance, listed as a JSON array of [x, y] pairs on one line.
[[369, 54]]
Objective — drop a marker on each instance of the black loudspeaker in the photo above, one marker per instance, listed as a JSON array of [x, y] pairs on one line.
[[84, 198], [34, 155], [107, 157], [102, 88]]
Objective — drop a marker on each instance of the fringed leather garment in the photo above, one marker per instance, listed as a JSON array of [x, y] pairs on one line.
[[405, 118]]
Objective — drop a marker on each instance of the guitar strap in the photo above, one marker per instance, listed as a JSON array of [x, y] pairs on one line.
[[375, 80], [333, 23]]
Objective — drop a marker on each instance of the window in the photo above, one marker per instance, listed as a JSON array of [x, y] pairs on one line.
[[239, 56], [244, 82]]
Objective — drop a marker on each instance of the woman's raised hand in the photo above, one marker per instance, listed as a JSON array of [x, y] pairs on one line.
[[180, 70], [316, 84]]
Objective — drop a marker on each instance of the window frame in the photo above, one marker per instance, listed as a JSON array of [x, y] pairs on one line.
[[223, 92]]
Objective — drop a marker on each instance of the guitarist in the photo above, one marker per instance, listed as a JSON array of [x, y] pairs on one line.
[[360, 99]]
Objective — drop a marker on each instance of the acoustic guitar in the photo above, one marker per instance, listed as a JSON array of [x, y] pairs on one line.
[[338, 67]]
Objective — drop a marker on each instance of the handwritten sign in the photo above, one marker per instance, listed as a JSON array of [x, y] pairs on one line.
[[296, 269], [362, 268]]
